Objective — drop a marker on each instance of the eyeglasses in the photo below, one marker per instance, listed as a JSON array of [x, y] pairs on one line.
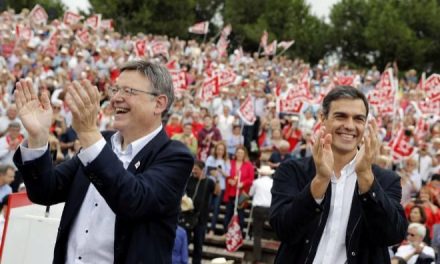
[[127, 91]]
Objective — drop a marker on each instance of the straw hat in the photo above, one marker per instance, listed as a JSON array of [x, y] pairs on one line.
[[221, 261], [266, 170]]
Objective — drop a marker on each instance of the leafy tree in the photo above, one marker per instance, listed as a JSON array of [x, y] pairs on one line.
[[54, 8]]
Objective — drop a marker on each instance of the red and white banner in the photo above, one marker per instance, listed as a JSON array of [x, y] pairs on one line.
[[200, 28], [429, 107], [210, 88], [400, 146], [345, 80], [432, 88], [179, 80], [225, 77], [234, 237], [383, 96], [271, 49], [140, 47], [38, 15], [23, 32], [51, 48], [422, 128], [71, 18], [247, 111], [289, 106], [264, 38], [93, 21], [286, 44], [107, 24], [159, 48], [83, 36]]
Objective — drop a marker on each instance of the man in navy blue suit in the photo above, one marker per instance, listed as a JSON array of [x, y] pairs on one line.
[[122, 191]]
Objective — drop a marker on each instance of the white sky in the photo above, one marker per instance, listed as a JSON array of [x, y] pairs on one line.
[[320, 8]]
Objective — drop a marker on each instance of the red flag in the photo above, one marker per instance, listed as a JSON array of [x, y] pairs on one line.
[[172, 65], [345, 80], [38, 15], [210, 88], [226, 77], [93, 21], [286, 44], [140, 46], [23, 32], [271, 49], [179, 80], [107, 24], [247, 111], [429, 107], [264, 38], [290, 106], [159, 48], [199, 28], [234, 238], [382, 97], [400, 146], [432, 88], [71, 18], [83, 36], [51, 48]]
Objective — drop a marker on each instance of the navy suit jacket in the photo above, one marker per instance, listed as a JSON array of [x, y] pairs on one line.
[[145, 197]]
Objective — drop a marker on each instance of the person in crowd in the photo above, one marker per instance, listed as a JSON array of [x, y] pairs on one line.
[[123, 189], [236, 139], [325, 209], [7, 176], [208, 137], [291, 132], [279, 155], [187, 137], [261, 199], [200, 188], [225, 122], [416, 251], [174, 126], [221, 165], [238, 184], [9, 142]]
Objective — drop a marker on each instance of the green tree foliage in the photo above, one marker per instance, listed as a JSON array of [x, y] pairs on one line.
[[54, 8], [171, 17]]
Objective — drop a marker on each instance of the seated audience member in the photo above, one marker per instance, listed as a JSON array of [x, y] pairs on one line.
[[416, 251], [417, 215], [280, 155]]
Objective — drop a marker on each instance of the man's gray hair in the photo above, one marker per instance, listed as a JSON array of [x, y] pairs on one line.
[[158, 75], [420, 229]]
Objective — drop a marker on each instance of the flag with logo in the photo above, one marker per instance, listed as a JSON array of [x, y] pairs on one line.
[[286, 44], [23, 32], [200, 28], [226, 77], [71, 18], [383, 96], [210, 88], [159, 48], [38, 15], [345, 80], [247, 111], [140, 46], [400, 146], [93, 21], [234, 237], [107, 24], [83, 36], [179, 80], [51, 48], [271, 49], [432, 88]]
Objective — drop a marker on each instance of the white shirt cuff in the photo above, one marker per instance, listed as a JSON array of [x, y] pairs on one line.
[[28, 154], [87, 155]]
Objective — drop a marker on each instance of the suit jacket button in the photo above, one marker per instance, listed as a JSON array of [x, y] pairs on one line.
[[353, 253], [307, 241], [317, 210]]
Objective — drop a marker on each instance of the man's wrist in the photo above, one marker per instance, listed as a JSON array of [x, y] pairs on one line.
[[89, 138], [365, 181], [38, 142]]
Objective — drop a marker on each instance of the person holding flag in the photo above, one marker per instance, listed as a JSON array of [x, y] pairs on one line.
[[336, 206]]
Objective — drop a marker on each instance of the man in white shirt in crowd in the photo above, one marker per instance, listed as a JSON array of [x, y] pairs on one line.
[[7, 175], [416, 249], [261, 199]]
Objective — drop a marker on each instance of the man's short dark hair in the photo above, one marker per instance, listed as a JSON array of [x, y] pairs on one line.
[[200, 164], [342, 92]]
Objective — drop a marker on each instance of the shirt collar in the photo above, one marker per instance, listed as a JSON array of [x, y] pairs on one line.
[[347, 170], [134, 147]]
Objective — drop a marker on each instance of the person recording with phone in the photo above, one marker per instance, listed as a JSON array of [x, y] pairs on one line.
[[337, 206]]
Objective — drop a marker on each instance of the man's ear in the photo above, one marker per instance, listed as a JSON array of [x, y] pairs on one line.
[[161, 104]]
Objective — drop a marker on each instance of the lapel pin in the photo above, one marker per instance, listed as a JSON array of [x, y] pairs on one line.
[[137, 164]]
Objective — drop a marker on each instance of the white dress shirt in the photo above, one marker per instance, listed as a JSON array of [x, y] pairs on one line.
[[405, 250], [331, 248], [91, 239], [260, 191]]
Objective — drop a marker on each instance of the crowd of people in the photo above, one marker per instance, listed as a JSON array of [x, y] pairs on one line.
[[229, 151]]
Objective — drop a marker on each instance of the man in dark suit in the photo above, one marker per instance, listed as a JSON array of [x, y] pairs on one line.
[[122, 191], [337, 207]]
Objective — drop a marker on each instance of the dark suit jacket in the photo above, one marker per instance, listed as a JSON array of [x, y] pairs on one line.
[[146, 200], [376, 220]]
